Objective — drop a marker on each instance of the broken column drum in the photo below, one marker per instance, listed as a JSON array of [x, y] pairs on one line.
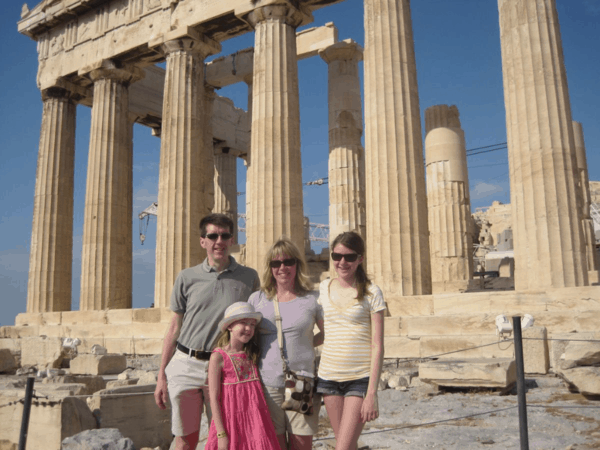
[[448, 200], [549, 244], [397, 230]]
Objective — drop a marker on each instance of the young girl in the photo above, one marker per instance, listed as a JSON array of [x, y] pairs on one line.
[[352, 355], [241, 419]]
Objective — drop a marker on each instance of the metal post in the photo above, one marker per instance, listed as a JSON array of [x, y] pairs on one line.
[[520, 382], [26, 411]]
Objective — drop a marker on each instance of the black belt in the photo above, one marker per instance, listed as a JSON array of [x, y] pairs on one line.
[[198, 354]]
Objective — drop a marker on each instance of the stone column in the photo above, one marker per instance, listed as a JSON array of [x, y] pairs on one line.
[[275, 168], [346, 154], [208, 157], [226, 185], [107, 238], [448, 200], [549, 246], [183, 163], [584, 191], [397, 232], [50, 259]]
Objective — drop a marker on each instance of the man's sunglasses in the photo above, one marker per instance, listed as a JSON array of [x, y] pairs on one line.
[[215, 236], [276, 263], [349, 257]]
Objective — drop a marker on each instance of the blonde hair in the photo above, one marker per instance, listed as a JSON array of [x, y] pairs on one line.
[[284, 246], [251, 348]]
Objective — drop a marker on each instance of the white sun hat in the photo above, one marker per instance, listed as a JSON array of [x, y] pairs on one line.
[[239, 311]]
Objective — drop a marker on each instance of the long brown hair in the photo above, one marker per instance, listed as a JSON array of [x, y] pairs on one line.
[[285, 246], [251, 348], [352, 241]]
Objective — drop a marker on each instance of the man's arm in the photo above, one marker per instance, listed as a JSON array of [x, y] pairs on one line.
[[171, 336]]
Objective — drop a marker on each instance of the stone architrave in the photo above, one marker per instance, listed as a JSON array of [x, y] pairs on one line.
[[107, 237], [448, 200], [346, 153], [50, 260], [226, 185], [549, 244], [584, 191], [183, 154], [397, 230], [275, 166]]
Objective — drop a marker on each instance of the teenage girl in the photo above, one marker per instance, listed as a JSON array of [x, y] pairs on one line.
[[241, 419], [352, 355]]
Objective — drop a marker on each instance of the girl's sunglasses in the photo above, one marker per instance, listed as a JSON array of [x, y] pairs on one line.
[[215, 236], [349, 257], [276, 263]]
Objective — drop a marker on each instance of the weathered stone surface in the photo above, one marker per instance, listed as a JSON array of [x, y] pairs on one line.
[[132, 410], [50, 422], [106, 439], [536, 357], [472, 346], [493, 373], [98, 364], [92, 383], [401, 347], [42, 352], [583, 353], [7, 361], [120, 383], [585, 379]]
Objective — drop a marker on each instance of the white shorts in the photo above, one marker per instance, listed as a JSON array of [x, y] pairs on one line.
[[187, 382]]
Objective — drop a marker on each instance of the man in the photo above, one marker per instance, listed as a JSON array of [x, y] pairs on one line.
[[200, 296]]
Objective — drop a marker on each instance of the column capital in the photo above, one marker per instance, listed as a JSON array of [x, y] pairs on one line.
[[346, 50], [288, 11], [63, 89], [185, 39], [113, 70]]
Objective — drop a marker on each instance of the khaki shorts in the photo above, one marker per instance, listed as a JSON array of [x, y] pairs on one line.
[[187, 382], [291, 421]]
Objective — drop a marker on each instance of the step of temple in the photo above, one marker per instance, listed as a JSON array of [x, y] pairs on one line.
[[481, 372]]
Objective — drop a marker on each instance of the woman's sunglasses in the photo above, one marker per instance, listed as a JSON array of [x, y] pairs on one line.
[[215, 236], [349, 257], [276, 263]]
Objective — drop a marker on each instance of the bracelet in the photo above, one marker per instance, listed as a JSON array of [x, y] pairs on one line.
[[222, 434]]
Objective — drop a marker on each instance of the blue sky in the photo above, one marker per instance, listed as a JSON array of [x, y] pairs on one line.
[[457, 48]]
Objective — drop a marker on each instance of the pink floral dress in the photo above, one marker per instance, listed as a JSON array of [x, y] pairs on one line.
[[243, 407]]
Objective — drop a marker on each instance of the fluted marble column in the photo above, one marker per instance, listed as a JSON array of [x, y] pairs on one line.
[[549, 245], [107, 238], [585, 201], [183, 158], [226, 185], [208, 157], [397, 232], [50, 259], [275, 169], [448, 200], [346, 153]]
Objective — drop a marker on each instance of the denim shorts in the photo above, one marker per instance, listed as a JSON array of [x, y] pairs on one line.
[[352, 388]]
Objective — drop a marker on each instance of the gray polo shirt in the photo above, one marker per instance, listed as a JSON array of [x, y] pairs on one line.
[[202, 295]]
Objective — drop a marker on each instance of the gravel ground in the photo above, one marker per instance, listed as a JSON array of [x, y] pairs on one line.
[[566, 420]]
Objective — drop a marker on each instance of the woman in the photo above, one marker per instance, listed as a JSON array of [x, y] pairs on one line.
[[285, 280], [352, 355]]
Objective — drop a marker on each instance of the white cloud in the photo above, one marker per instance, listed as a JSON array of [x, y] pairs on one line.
[[482, 190]]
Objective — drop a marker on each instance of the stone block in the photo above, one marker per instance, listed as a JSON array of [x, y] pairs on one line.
[[151, 346], [166, 315], [92, 383], [448, 325], [558, 345], [50, 421], [61, 390], [585, 379], [391, 326], [469, 346], [417, 305], [583, 353], [507, 268], [136, 416], [7, 361], [536, 357], [106, 439], [43, 352], [52, 318], [147, 315], [119, 316], [98, 364], [401, 347], [584, 298], [14, 345], [113, 384], [19, 332], [83, 317], [481, 372], [29, 319]]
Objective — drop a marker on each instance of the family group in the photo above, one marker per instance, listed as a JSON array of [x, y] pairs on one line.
[[243, 348]]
